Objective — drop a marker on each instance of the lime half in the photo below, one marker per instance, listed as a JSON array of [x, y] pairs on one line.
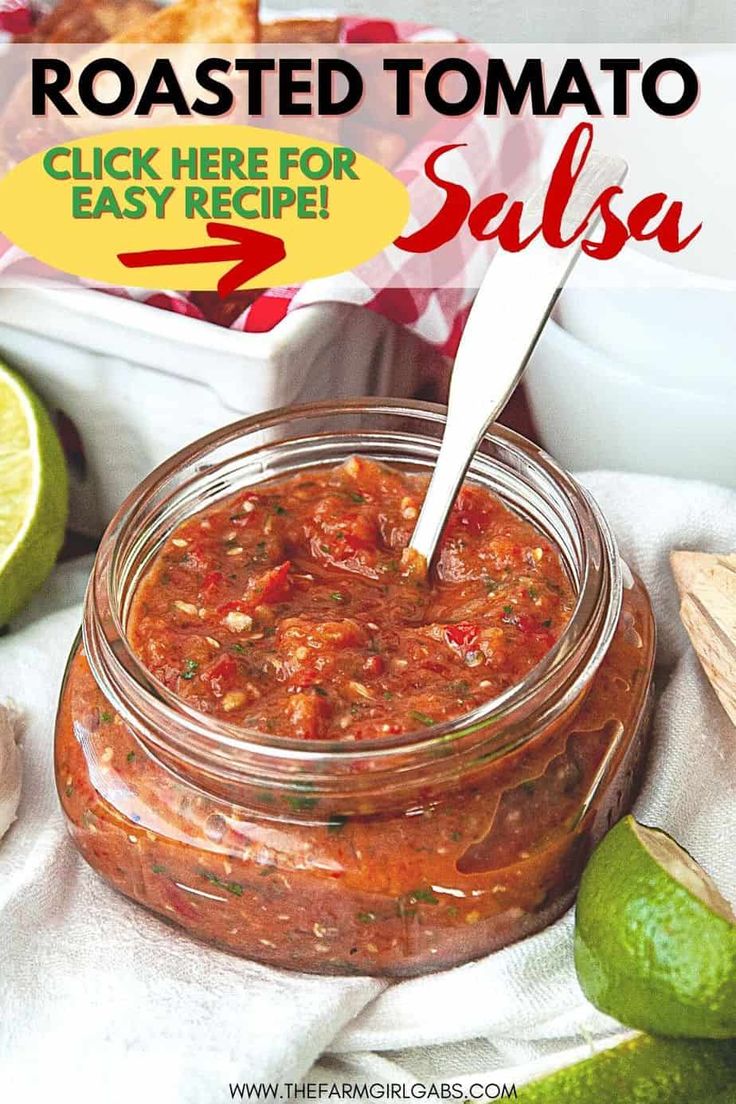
[[33, 494], [655, 942], [644, 1070]]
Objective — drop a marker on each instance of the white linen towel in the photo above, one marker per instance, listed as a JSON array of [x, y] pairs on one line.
[[98, 997]]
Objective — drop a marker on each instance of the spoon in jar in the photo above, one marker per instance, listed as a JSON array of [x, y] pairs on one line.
[[513, 303]]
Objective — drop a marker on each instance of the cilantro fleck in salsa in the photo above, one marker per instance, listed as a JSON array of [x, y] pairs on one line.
[[306, 756]]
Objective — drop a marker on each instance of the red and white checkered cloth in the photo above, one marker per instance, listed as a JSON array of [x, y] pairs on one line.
[[436, 314]]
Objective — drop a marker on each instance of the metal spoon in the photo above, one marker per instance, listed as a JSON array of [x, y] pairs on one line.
[[513, 303]]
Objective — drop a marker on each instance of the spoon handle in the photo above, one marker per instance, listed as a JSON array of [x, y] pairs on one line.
[[513, 303]]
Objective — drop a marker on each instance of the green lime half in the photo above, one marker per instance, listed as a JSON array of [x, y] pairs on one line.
[[33, 494], [644, 1070], [655, 942]]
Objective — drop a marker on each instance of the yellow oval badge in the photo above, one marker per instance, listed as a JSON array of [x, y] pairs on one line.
[[201, 207]]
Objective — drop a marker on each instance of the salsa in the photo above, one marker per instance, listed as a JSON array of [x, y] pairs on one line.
[[288, 609]]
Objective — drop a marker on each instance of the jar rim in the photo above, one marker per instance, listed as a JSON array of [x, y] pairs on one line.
[[143, 701]]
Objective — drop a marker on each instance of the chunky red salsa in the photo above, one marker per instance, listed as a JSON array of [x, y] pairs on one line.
[[286, 608]]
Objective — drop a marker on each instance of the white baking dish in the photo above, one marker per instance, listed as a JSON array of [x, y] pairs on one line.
[[138, 383]]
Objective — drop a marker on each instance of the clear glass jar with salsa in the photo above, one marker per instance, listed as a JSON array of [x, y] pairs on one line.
[[272, 736]]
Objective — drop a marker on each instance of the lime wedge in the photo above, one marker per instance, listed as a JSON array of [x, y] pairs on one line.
[[33, 494], [655, 942], [644, 1070]]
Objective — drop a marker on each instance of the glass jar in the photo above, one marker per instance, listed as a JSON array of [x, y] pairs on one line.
[[392, 857]]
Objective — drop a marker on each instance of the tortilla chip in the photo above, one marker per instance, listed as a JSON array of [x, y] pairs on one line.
[[232, 21], [88, 20], [301, 30]]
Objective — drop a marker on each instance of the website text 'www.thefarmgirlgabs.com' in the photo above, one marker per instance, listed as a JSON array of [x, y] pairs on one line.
[[376, 1091]]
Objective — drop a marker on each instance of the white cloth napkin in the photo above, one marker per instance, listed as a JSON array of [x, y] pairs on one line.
[[98, 996]]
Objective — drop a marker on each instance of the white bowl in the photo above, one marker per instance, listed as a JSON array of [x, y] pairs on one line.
[[674, 313], [593, 411], [677, 330]]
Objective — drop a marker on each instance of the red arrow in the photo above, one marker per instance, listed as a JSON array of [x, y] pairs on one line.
[[253, 252]]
